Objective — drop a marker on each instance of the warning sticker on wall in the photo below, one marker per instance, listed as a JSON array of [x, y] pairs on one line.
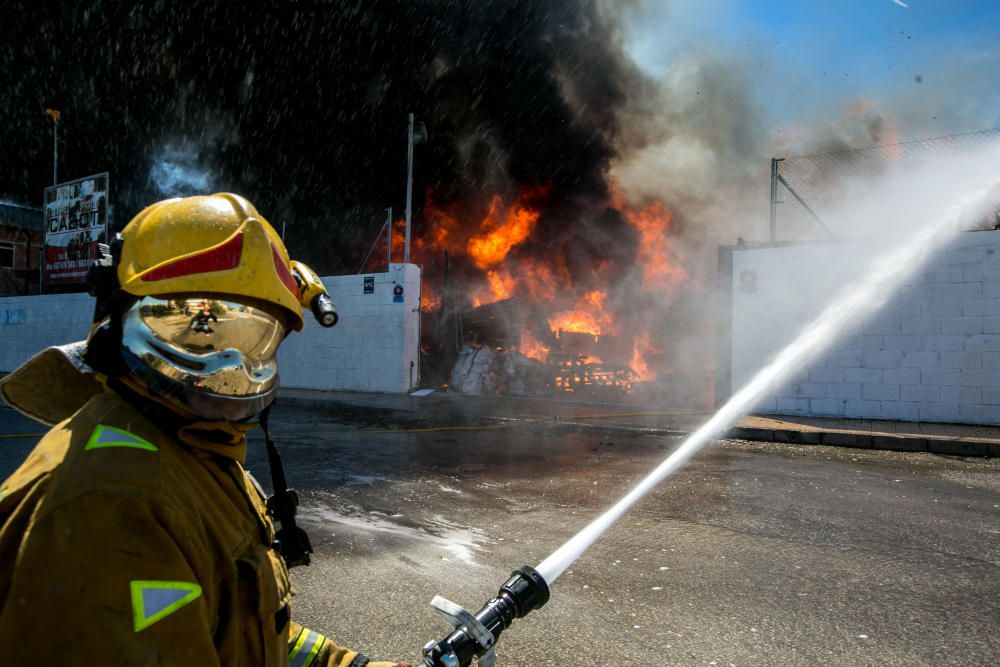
[[397, 294], [369, 284]]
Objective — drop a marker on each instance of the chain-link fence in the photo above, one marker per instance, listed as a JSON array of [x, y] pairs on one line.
[[806, 190]]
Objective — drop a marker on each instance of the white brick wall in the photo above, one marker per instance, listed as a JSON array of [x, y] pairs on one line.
[[374, 347], [31, 323], [931, 354]]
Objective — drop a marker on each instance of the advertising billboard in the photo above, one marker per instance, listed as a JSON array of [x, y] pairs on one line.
[[76, 220]]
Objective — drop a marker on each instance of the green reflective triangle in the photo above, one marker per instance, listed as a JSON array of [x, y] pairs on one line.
[[109, 436], [155, 600]]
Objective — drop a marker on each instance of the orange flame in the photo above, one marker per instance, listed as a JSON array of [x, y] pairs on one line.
[[491, 246], [532, 347], [500, 285], [489, 243], [575, 321], [644, 347], [429, 300], [659, 270], [398, 245], [587, 316]]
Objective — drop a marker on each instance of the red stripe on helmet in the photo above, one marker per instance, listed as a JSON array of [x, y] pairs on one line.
[[219, 258], [284, 273]]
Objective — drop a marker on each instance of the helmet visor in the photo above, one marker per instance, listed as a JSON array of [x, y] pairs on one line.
[[209, 344]]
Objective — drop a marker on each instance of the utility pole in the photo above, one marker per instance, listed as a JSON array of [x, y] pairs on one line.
[[409, 186], [388, 238], [54, 115], [416, 133]]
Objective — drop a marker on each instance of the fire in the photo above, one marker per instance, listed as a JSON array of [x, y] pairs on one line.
[[575, 321], [429, 300], [588, 316], [543, 280], [659, 270], [644, 347], [595, 298], [398, 239], [493, 259], [501, 285], [532, 347], [498, 237]]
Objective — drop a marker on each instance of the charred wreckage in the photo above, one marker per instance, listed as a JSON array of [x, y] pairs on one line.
[[508, 347]]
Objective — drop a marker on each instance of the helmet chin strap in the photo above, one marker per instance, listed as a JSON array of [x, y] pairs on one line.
[[291, 541]]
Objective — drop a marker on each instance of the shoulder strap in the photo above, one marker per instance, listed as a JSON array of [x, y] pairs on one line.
[[293, 542]]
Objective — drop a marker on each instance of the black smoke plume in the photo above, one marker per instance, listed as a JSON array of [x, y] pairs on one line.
[[301, 106]]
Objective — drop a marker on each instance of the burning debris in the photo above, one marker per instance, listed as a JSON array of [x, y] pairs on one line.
[[578, 374], [581, 310], [509, 348]]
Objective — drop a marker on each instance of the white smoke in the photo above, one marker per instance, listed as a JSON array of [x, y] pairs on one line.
[[176, 172]]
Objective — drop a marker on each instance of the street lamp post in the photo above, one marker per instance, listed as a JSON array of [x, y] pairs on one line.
[[54, 115]]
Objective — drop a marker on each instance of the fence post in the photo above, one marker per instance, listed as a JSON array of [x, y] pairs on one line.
[[772, 236]]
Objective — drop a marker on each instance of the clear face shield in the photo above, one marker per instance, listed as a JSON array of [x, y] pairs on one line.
[[215, 356]]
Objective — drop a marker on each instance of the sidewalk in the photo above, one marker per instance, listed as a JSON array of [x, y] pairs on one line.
[[447, 409]]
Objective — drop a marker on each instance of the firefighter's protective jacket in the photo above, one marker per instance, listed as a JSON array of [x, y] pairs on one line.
[[121, 544]]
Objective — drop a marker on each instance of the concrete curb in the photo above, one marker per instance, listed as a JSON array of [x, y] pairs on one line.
[[884, 441], [834, 438]]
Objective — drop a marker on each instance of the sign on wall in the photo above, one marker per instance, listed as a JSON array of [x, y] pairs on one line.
[[76, 220]]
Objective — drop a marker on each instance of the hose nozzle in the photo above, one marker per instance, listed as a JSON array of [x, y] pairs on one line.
[[476, 636]]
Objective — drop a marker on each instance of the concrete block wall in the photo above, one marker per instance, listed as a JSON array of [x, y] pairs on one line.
[[29, 324], [374, 347], [932, 353]]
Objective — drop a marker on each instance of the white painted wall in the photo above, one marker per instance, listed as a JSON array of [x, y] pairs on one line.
[[29, 324], [374, 346], [370, 349], [931, 354]]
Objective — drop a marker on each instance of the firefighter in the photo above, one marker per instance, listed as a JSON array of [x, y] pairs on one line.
[[200, 320], [132, 535]]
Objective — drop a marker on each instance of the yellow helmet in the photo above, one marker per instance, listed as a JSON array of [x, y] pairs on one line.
[[216, 244], [213, 295]]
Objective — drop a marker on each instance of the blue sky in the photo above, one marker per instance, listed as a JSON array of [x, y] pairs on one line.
[[933, 67]]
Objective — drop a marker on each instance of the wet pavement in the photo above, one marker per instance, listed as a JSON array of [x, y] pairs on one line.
[[630, 414], [752, 554]]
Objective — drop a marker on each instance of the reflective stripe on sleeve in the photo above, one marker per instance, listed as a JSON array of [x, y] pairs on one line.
[[305, 648]]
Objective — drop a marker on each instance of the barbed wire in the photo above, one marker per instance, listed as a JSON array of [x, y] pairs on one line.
[[823, 180]]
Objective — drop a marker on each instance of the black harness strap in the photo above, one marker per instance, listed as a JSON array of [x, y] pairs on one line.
[[293, 543]]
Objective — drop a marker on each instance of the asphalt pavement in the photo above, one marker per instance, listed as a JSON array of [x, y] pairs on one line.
[[754, 553]]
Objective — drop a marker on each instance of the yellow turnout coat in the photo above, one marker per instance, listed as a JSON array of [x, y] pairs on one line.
[[124, 544]]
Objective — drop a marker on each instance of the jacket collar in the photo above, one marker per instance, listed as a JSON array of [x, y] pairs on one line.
[[56, 383]]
